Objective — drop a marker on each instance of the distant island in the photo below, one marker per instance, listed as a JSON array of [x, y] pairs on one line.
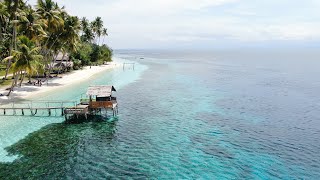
[[38, 43]]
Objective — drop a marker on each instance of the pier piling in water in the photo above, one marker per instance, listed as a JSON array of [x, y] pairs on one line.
[[132, 64]]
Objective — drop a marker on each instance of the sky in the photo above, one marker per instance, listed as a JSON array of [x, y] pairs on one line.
[[203, 24]]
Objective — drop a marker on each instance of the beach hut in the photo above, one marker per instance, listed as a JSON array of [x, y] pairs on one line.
[[99, 100], [61, 63], [101, 97]]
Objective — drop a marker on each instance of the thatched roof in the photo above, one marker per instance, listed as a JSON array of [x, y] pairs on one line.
[[100, 91], [60, 64], [60, 56]]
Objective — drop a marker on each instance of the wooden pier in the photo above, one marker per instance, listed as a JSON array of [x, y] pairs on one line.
[[99, 101], [78, 110], [124, 64], [32, 108]]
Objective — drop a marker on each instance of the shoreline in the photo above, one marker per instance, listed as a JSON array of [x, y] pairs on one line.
[[27, 91]]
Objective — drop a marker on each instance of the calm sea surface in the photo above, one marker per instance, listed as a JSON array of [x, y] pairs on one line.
[[182, 115]]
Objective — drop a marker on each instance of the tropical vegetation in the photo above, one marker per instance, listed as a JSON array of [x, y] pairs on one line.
[[32, 37]]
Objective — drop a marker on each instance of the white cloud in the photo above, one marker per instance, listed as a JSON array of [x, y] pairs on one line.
[[153, 23], [163, 6]]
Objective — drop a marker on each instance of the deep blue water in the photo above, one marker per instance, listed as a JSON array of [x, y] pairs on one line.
[[188, 115]]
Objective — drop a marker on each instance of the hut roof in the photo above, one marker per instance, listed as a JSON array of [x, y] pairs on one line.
[[60, 56], [100, 91]]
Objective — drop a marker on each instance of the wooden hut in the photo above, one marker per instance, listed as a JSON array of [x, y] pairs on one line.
[[61, 63], [99, 99]]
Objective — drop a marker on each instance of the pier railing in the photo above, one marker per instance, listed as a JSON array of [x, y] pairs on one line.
[[33, 108]]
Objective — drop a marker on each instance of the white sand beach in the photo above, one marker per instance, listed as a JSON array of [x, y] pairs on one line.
[[27, 91]]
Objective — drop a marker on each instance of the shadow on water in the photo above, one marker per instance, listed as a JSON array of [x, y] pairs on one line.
[[92, 118], [59, 150]]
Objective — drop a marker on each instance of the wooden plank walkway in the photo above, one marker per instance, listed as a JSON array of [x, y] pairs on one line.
[[34, 107], [77, 110]]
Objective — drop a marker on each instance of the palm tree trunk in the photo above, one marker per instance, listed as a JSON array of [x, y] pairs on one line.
[[14, 38], [47, 54], [50, 67], [54, 58], [22, 78], [1, 33], [7, 69], [17, 78], [12, 84], [29, 78], [10, 51], [103, 40], [61, 62]]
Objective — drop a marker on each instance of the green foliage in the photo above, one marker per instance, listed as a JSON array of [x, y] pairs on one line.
[[90, 54], [27, 56], [100, 54], [82, 54], [94, 55], [4, 48], [76, 64], [30, 37], [105, 53]]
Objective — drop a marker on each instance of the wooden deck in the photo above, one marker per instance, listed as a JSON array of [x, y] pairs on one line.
[[78, 110], [103, 104], [93, 108]]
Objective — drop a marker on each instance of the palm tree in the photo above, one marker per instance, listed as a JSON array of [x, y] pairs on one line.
[[49, 27], [88, 30], [97, 26], [31, 25], [71, 31], [51, 15], [104, 34], [4, 17], [84, 23], [70, 35], [5, 36], [50, 12], [12, 7], [53, 18], [27, 59], [88, 35]]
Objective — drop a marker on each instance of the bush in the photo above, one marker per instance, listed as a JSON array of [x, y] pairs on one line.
[[76, 64], [91, 54]]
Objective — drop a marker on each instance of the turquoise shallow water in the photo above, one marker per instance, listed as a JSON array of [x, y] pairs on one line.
[[208, 115]]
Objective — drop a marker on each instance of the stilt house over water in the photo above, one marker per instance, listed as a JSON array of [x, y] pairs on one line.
[[99, 101]]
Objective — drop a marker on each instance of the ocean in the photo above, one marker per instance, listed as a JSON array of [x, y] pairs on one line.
[[223, 114]]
